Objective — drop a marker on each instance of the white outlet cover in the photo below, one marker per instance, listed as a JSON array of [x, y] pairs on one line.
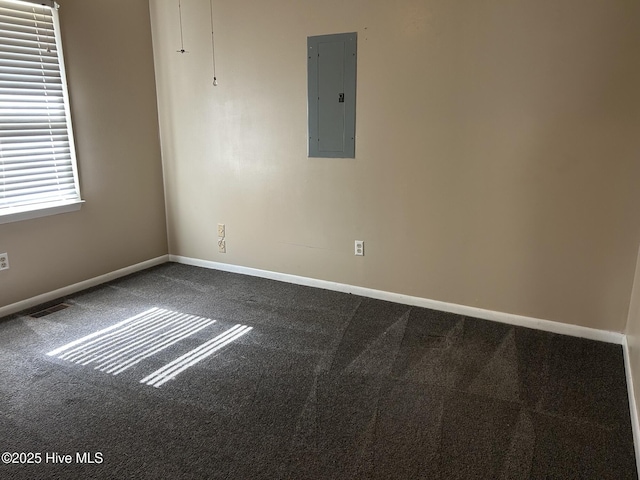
[[4, 261]]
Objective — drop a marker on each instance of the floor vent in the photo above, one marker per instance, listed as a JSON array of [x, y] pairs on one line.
[[50, 310]]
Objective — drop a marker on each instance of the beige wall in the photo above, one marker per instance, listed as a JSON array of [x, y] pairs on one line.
[[497, 148], [633, 336], [109, 61]]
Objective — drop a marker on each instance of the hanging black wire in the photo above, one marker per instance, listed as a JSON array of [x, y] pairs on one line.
[[182, 50], [213, 46]]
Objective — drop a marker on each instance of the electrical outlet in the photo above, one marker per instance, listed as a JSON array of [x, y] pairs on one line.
[[359, 248], [221, 230], [4, 261], [222, 246]]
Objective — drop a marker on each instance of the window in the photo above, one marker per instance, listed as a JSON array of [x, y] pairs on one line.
[[38, 172]]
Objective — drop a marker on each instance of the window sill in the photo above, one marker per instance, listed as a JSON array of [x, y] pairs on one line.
[[16, 214]]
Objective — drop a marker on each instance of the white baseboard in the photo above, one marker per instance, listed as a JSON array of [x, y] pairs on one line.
[[512, 319], [633, 407], [76, 287]]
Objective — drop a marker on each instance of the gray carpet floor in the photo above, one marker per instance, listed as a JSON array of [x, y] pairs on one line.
[[280, 381]]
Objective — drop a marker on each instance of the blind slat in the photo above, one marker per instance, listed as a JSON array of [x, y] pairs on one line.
[[46, 142], [41, 174], [43, 180], [34, 164], [39, 194], [28, 154], [26, 135]]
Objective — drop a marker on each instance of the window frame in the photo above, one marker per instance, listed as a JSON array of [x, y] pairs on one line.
[[17, 213]]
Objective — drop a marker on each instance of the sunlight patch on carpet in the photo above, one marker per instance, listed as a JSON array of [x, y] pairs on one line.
[[180, 364]]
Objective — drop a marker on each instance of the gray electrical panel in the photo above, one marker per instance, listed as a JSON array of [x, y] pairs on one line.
[[331, 73]]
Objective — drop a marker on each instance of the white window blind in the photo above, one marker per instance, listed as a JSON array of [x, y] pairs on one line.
[[37, 154]]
